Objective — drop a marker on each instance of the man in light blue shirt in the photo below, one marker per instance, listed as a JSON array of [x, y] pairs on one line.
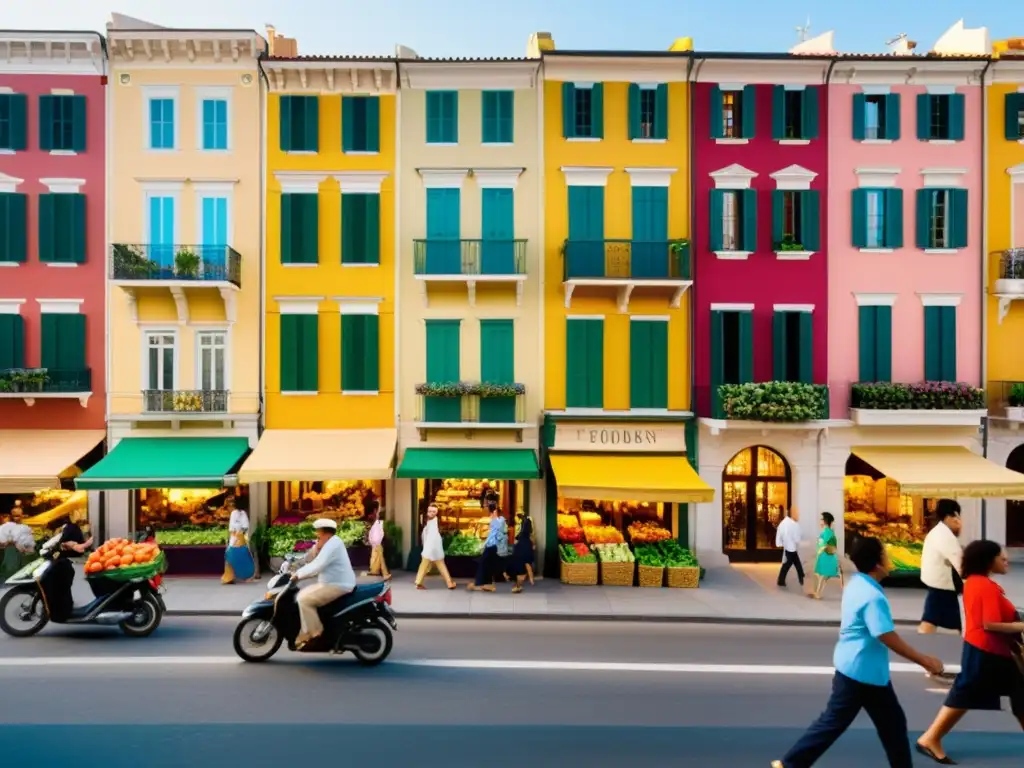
[[861, 659]]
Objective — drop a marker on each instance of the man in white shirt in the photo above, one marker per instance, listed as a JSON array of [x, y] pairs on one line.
[[787, 536], [335, 577], [941, 560]]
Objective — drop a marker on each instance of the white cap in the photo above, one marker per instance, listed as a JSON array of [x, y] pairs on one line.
[[324, 522]]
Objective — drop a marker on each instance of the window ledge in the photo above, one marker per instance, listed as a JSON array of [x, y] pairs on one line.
[[733, 255], [206, 151], [941, 251], [732, 141], [361, 392], [63, 153], [290, 393], [60, 264], [876, 141], [294, 265], [359, 265], [155, 150], [10, 263], [498, 143], [942, 142], [794, 255], [6, 151], [794, 142], [300, 152], [579, 139], [876, 250], [442, 143], [648, 141]]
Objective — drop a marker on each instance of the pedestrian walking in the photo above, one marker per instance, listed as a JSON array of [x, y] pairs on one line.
[[239, 563], [987, 668], [522, 552], [826, 563], [433, 551], [861, 658], [495, 550], [375, 538], [940, 572], [788, 537]]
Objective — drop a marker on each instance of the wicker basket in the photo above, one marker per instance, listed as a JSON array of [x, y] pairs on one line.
[[651, 575], [617, 574], [683, 578], [579, 574]]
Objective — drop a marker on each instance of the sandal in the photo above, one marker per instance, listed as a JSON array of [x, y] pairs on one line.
[[947, 760], [453, 585], [516, 590], [420, 586]]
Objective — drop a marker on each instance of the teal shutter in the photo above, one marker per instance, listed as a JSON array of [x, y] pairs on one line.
[[360, 228], [497, 249], [47, 227], [956, 116], [443, 351], [75, 227], [568, 110], [933, 344], [780, 351], [883, 343], [12, 342], [360, 353], [924, 116], [46, 104], [778, 112], [859, 218], [778, 218], [597, 111], [634, 111], [595, 363], [348, 123], [451, 117], [288, 227], [661, 111], [13, 227], [63, 342], [290, 353], [1014, 103], [748, 210], [923, 214], [859, 108], [284, 116], [18, 114], [892, 117], [715, 223], [497, 352], [659, 364], [62, 228], [311, 124], [715, 112], [648, 364], [79, 127], [947, 343], [584, 363], [746, 350], [300, 223], [310, 353], [893, 202], [809, 114], [806, 372], [810, 220], [372, 125], [958, 218], [717, 352], [748, 111], [433, 110], [867, 370], [497, 116]]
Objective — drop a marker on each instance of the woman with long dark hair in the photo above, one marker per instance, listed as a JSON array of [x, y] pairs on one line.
[[826, 564], [987, 669]]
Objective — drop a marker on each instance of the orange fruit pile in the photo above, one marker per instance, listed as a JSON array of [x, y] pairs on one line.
[[119, 553]]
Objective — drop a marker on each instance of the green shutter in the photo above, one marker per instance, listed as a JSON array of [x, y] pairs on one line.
[[75, 227], [746, 350], [309, 233], [933, 344], [290, 353], [371, 228], [288, 227], [716, 210], [806, 372], [956, 116], [62, 228], [597, 110], [595, 363], [443, 351], [809, 113], [13, 227], [451, 117], [12, 342], [859, 218], [311, 124], [810, 220], [46, 122], [1014, 102], [867, 344], [661, 111], [497, 351], [923, 214], [372, 116], [924, 116], [779, 349], [309, 352], [360, 353], [648, 364], [893, 203], [18, 106], [285, 114], [859, 119], [947, 343], [568, 110], [892, 117], [63, 342], [883, 343], [778, 218], [717, 352], [47, 227], [748, 209], [778, 112], [634, 111], [348, 123], [958, 218], [715, 112], [584, 363], [360, 228], [748, 111], [79, 124]]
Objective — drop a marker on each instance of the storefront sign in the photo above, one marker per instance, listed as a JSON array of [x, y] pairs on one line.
[[624, 438]]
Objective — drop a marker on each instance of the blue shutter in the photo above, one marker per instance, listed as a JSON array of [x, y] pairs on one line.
[[892, 117], [13, 227], [285, 119], [809, 115], [867, 369], [46, 118], [924, 116], [79, 127], [859, 219], [947, 343], [597, 110], [893, 202], [923, 217], [956, 116], [17, 105], [748, 209], [568, 110], [810, 220], [958, 218], [444, 248], [209, 124], [584, 253], [489, 117], [859, 119], [716, 209], [883, 343], [633, 111], [932, 344], [497, 249], [715, 110]]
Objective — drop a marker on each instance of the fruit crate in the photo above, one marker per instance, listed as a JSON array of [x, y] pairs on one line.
[[578, 574], [683, 578], [650, 575], [617, 574]]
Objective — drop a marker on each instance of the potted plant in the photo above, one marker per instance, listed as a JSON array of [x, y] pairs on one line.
[[1015, 402], [129, 263], [191, 402], [186, 264], [774, 401], [923, 396], [442, 401], [28, 380], [5, 385], [788, 244]]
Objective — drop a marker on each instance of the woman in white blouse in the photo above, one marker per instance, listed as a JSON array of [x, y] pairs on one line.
[[433, 551], [238, 560]]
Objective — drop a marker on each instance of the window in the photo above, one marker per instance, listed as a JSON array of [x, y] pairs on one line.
[[13, 107], [796, 220], [443, 353], [13, 227], [498, 110], [360, 228], [299, 353], [585, 249], [874, 342], [584, 363], [876, 116], [63, 343], [649, 256], [941, 218], [498, 246], [161, 361], [300, 123], [732, 115], [62, 228], [940, 343], [794, 113], [877, 218], [582, 110], [1014, 117], [442, 117], [360, 124], [62, 123], [444, 220], [733, 220], [360, 353], [161, 123], [497, 366], [300, 225], [648, 363], [793, 346], [648, 111], [732, 112], [12, 342], [215, 124], [940, 117], [211, 371], [732, 351]]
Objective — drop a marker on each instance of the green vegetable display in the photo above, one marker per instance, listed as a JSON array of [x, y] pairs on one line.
[[352, 532], [461, 545], [281, 539], [649, 554], [676, 556], [192, 536], [614, 553], [572, 553]]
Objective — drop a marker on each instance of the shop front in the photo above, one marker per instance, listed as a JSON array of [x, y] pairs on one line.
[[1005, 518], [338, 474]]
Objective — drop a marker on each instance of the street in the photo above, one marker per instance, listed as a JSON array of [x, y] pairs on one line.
[[454, 693]]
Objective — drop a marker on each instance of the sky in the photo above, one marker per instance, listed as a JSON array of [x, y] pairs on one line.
[[487, 28]]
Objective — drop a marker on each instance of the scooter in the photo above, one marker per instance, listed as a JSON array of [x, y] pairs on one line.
[[361, 622], [136, 605]]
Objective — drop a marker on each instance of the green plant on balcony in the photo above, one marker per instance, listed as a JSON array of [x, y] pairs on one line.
[[774, 401], [500, 390], [449, 389], [1016, 397], [5, 384], [186, 264], [788, 243], [28, 379], [924, 396], [188, 401], [678, 247], [130, 263]]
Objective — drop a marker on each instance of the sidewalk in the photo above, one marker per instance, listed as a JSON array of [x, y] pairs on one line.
[[739, 593]]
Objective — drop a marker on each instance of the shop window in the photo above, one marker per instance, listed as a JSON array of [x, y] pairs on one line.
[[605, 521], [648, 111], [732, 112], [941, 218], [940, 344], [211, 371], [733, 220], [796, 220], [1014, 117], [199, 515], [582, 110], [161, 360], [874, 342], [463, 518], [295, 502], [794, 113], [793, 346], [756, 489], [876, 116], [46, 511]]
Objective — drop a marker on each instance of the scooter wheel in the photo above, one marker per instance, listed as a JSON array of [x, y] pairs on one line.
[[252, 651], [146, 616], [13, 603], [373, 644]]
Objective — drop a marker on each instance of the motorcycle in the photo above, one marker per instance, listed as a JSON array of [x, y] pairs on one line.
[[135, 605], [361, 622]]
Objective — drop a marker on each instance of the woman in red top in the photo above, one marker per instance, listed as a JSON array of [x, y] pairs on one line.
[[987, 669]]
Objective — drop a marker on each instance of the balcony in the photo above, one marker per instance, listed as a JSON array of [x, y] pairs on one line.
[[178, 268], [31, 384], [470, 262], [1009, 286], [1006, 401], [763, 405], [925, 404], [626, 265], [471, 407], [185, 402]]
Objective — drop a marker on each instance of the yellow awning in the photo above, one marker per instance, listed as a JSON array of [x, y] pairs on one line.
[[943, 471], [34, 459], [321, 454], [629, 478]]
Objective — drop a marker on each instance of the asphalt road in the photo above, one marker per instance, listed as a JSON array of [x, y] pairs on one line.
[[454, 693]]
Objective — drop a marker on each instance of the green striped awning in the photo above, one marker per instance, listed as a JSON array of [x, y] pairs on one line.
[[469, 464]]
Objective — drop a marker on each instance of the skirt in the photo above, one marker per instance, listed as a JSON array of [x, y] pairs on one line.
[[942, 608], [238, 564], [984, 679]]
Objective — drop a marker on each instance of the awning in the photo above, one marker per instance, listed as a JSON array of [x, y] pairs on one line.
[[321, 454], [940, 471], [469, 464], [34, 459], [629, 478], [165, 462]]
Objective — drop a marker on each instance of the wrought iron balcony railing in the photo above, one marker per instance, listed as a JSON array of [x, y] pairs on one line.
[[627, 259], [472, 258], [185, 401], [193, 263]]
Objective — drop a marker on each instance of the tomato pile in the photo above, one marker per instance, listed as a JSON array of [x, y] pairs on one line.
[[120, 553]]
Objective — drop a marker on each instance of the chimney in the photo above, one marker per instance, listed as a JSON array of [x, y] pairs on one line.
[[277, 45], [538, 43]]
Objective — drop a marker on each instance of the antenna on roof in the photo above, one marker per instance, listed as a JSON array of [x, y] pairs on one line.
[[804, 32], [901, 44]]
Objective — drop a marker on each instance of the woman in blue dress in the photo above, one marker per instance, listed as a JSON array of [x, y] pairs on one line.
[[826, 565], [239, 564]]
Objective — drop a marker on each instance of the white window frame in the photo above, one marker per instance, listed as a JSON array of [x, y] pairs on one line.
[[160, 330], [218, 93], [147, 194], [879, 217], [731, 199], [225, 332], [158, 92]]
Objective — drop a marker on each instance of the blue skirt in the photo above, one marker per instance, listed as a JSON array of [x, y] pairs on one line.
[[984, 679], [942, 608], [241, 562]]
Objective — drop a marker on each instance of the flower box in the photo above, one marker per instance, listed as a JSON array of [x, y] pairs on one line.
[[774, 401], [929, 403]]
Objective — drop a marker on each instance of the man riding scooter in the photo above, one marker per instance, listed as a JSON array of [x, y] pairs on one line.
[[62, 575], [329, 562]]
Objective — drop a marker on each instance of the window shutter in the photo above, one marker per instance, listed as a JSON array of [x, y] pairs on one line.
[[12, 342], [309, 252], [48, 227], [932, 344], [923, 215], [959, 218], [717, 352], [597, 110], [309, 352], [575, 363], [489, 115], [360, 354], [716, 219], [79, 126], [311, 124], [288, 229], [748, 111], [893, 202], [63, 342], [809, 115], [285, 117], [568, 110], [883, 343], [74, 223], [892, 117], [859, 218], [595, 363], [661, 111], [348, 123], [497, 352], [806, 372], [715, 112], [290, 353], [778, 218], [371, 229], [779, 350], [18, 105], [13, 226], [859, 108], [443, 351], [352, 206], [372, 114], [867, 344], [634, 111], [956, 116], [748, 210], [1012, 116], [640, 364], [659, 364], [746, 350], [451, 117], [371, 353], [924, 116], [947, 343], [778, 112], [810, 220], [46, 122]]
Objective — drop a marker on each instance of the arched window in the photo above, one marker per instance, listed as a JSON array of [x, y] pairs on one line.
[[756, 492]]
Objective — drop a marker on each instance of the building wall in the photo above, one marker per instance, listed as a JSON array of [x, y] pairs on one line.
[[617, 151], [33, 280]]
